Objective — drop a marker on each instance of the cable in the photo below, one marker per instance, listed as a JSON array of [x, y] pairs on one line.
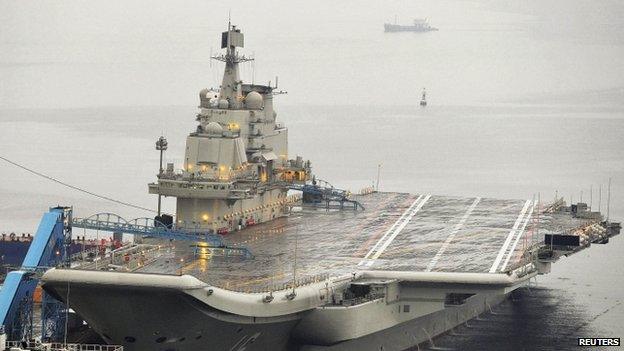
[[75, 187]]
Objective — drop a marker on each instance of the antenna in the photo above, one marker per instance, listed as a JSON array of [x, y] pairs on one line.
[[599, 196], [609, 199], [536, 236], [294, 283], [229, 30], [591, 195], [295, 263], [67, 314], [581, 196], [253, 69]]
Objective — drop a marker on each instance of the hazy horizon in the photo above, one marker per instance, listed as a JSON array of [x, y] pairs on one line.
[[69, 54]]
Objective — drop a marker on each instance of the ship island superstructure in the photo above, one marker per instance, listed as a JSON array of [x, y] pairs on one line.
[[236, 168]]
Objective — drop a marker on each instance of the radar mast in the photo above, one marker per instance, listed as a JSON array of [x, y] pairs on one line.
[[231, 86]]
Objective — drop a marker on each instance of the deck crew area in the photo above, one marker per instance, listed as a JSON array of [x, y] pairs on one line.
[[396, 232]]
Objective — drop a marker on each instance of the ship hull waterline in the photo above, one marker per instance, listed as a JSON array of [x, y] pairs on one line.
[[143, 317]]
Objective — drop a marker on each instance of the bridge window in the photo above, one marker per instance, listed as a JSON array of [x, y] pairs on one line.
[[406, 308]]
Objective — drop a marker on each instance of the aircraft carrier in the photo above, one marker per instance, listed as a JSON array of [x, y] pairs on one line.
[[266, 269]]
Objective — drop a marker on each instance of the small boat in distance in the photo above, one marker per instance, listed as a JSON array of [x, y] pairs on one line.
[[423, 100], [420, 25]]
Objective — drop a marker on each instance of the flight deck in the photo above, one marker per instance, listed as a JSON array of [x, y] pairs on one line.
[[396, 232]]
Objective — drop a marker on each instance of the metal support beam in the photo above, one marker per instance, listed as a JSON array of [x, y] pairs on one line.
[[145, 226]]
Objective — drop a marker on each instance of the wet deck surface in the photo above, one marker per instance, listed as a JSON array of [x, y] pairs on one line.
[[406, 232]]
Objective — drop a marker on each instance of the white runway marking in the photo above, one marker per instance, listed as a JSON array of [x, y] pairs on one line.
[[520, 232], [503, 249], [450, 238], [370, 252], [394, 230], [400, 228]]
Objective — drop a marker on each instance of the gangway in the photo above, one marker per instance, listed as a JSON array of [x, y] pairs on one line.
[[322, 194], [111, 222]]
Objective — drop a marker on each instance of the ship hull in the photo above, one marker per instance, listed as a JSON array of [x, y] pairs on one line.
[[147, 319], [419, 330]]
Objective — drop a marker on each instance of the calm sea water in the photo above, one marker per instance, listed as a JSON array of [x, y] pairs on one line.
[[524, 99]]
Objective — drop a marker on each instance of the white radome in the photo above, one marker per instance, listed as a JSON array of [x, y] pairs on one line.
[[253, 100], [213, 128]]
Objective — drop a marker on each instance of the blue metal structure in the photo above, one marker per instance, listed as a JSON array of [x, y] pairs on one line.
[[53, 317], [147, 226], [48, 249], [16, 304], [48, 246]]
